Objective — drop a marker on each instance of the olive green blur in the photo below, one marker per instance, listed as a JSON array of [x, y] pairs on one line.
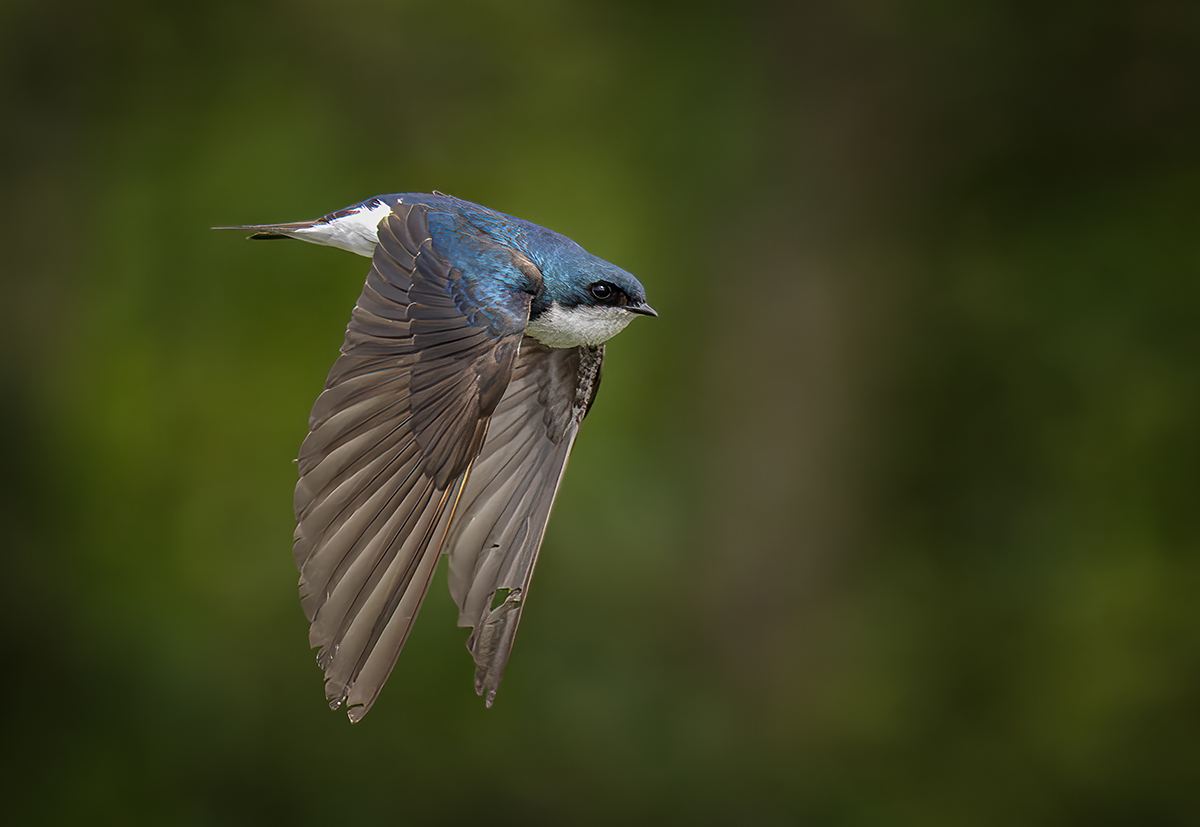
[[891, 518]]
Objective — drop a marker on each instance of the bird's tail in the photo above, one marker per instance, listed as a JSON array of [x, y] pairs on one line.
[[293, 230]]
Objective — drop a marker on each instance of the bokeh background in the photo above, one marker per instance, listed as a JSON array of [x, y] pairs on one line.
[[890, 519]]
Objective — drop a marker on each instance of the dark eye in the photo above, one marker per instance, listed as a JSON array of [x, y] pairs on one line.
[[605, 292]]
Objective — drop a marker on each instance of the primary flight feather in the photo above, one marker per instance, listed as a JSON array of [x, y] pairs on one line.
[[471, 358]]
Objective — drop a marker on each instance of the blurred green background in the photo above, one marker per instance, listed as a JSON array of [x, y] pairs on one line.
[[890, 519]]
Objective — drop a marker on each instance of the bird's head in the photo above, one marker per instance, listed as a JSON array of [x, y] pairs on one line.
[[586, 300]]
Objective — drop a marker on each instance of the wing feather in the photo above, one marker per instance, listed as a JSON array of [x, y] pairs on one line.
[[494, 540], [392, 437]]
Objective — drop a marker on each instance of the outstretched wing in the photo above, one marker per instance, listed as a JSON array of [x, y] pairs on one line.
[[497, 529], [404, 414]]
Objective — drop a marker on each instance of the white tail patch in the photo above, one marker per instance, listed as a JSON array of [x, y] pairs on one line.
[[357, 232]]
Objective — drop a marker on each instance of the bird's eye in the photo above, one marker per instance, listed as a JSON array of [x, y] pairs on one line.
[[604, 292]]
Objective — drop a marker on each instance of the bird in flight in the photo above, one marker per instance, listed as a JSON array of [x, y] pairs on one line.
[[471, 358]]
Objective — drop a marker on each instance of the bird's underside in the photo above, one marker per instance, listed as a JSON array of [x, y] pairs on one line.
[[438, 431]]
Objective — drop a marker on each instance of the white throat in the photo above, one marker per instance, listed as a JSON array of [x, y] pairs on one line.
[[579, 326]]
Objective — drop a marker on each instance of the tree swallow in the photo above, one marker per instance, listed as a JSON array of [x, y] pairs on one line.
[[471, 358]]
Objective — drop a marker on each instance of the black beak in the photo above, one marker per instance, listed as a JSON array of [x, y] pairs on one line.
[[643, 308]]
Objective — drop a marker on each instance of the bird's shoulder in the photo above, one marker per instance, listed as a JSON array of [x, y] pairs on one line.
[[490, 269]]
